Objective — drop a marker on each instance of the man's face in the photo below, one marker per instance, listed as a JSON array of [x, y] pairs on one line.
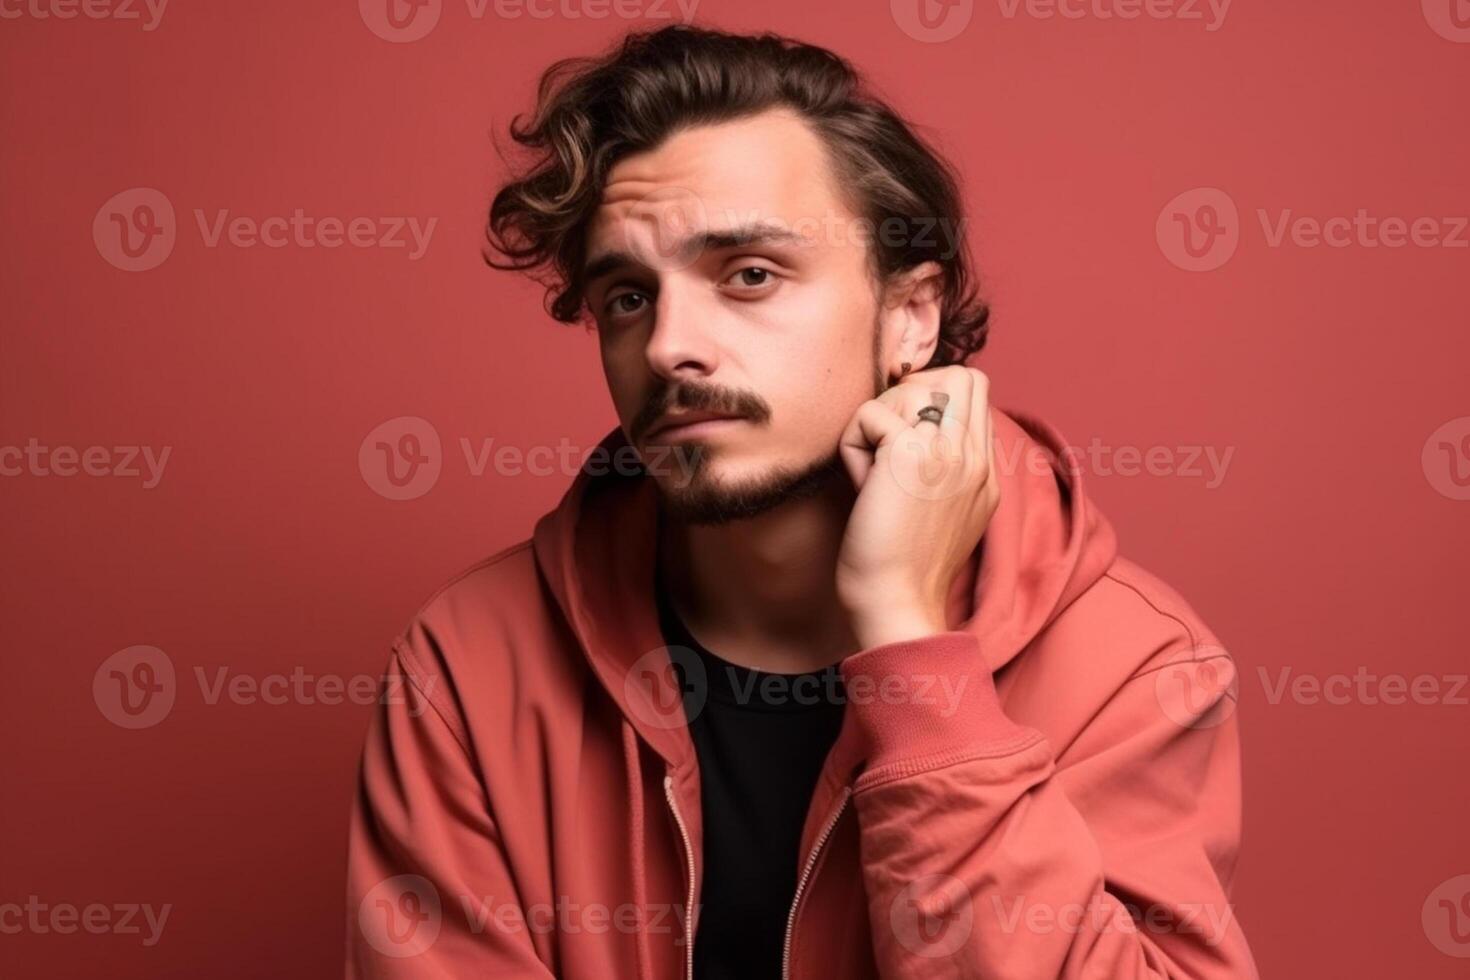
[[729, 276]]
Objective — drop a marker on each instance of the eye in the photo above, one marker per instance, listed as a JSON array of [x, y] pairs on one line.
[[752, 277], [618, 305]]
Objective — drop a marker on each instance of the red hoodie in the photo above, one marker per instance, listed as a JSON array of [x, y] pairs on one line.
[[1049, 789]]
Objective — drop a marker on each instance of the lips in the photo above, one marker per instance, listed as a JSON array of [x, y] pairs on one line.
[[686, 418]]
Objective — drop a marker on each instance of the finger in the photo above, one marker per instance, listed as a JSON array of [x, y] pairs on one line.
[[979, 412], [947, 388], [951, 388], [872, 426], [992, 479], [959, 382], [990, 474]]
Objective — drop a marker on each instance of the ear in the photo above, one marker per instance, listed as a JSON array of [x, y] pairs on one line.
[[908, 316]]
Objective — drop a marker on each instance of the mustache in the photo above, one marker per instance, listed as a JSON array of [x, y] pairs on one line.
[[701, 397]]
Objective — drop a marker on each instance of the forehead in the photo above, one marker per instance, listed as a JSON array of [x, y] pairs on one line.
[[767, 167]]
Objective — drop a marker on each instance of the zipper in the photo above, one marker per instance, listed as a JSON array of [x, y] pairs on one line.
[[689, 861], [806, 873]]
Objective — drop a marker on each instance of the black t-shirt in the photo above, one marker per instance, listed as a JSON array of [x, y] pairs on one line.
[[760, 739]]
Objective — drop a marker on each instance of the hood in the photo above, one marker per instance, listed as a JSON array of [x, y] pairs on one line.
[[1045, 545]]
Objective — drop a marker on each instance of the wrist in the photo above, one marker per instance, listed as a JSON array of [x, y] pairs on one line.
[[895, 624], [926, 699]]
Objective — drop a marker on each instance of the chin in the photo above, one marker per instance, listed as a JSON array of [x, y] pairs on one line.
[[713, 488]]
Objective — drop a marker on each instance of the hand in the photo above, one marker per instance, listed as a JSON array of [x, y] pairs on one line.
[[926, 493]]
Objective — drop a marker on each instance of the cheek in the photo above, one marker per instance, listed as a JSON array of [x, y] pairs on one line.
[[838, 343], [620, 369], [827, 373], [827, 322]]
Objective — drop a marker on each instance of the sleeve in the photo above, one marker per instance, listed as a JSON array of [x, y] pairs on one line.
[[983, 856], [429, 890]]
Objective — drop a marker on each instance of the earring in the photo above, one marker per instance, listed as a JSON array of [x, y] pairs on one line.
[[906, 366]]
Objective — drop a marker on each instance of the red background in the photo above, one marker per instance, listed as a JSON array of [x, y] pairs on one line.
[[1326, 548]]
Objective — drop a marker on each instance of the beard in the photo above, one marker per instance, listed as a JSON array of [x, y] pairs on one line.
[[702, 499], [705, 500]]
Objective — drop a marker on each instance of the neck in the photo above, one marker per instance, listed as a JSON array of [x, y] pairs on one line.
[[762, 592]]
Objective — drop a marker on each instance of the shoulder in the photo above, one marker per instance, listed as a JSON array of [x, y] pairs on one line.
[[1130, 653], [1156, 607], [483, 593], [1129, 623], [493, 627]]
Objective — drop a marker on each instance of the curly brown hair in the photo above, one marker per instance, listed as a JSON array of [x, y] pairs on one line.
[[593, 111]]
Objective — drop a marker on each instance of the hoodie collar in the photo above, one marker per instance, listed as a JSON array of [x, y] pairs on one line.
[[597, 551]]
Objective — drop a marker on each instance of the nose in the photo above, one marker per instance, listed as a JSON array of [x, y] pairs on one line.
[[682, 342]]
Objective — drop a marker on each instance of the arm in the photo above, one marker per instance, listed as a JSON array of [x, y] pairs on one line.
[[984, 856], [424, 851]]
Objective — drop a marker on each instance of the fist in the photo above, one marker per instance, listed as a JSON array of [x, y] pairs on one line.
[[926, 492]]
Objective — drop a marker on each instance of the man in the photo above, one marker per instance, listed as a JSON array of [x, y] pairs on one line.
[[845, 679]]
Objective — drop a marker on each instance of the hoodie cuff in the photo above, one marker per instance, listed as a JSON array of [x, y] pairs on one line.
[[931, 696]]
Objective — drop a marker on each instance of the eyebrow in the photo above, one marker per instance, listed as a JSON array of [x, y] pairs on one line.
[[742, 236]]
